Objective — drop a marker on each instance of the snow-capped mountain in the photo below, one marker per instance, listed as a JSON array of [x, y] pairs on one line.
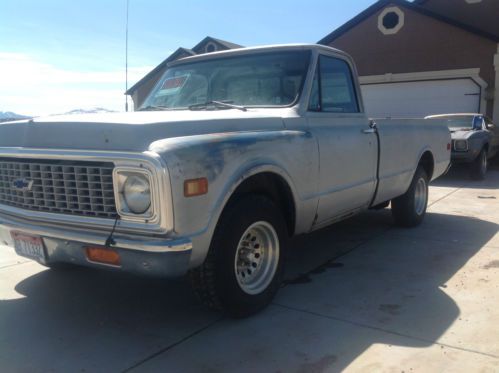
[[97, 110], [9, 115]]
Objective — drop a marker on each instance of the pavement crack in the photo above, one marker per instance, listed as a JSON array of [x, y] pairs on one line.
[[174, 344], [367, 326]]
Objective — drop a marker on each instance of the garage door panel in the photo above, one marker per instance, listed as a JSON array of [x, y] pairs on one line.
[[421, 98]]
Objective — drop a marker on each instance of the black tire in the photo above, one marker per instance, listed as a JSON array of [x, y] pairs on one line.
[[478, 168], [215, 282], [409, 210]]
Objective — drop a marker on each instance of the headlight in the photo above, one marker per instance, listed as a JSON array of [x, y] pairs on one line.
[[134, 193], [137, 194], [460, 145]]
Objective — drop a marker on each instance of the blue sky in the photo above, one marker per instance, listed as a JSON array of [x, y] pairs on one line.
[[58, 55]]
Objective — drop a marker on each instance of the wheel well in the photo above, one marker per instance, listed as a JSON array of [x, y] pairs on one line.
[[428, 163], [486, 146], [273, 187]]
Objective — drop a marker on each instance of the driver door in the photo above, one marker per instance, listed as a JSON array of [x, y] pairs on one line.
[[348, 146]]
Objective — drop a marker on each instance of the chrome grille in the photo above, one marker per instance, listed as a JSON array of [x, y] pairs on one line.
[[64, 187]]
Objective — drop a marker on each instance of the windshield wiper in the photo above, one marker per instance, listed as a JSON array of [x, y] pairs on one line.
[[154, 108], [225, 104]]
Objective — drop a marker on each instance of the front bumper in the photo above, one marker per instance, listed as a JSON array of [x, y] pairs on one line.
[[152, 256], [464, 157]]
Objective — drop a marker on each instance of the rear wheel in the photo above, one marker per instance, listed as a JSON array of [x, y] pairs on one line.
[[409, 209], [478, 169], [242, 271]]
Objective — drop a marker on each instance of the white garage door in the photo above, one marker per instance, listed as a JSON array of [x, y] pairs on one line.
[[421, 98]]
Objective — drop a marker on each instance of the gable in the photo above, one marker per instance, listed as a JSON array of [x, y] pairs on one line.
[[381, 4], [423, 43]]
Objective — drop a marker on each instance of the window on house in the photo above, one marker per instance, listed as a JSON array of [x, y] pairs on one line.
[[333, 89], [391, 20]]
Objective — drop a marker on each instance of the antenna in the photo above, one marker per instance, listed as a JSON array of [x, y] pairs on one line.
[[126, 57]]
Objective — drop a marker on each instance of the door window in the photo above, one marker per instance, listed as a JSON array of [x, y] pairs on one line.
[[333, 89]]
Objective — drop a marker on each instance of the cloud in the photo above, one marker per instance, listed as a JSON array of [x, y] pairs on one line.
[[29, 86]]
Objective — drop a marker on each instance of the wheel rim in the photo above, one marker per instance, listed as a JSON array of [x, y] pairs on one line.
[[257, 258], [420, 196], [484, 163]]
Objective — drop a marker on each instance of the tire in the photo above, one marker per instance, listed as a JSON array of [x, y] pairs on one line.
[[409, 209], [478, 168], [253, 230]]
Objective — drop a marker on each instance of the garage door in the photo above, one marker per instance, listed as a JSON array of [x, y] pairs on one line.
[[421, 98]]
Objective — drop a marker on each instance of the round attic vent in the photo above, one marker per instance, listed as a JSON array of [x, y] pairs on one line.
[[210, 47], [391, 20]]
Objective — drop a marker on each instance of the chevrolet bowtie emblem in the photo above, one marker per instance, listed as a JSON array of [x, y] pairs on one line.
[[23, 185]]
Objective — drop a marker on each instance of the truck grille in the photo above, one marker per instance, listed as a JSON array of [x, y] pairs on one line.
[[64, 187]]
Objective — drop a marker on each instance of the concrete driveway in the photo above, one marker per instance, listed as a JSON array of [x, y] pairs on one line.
[[362, 296]]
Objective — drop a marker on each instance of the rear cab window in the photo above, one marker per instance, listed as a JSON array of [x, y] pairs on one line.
[[333, 88]]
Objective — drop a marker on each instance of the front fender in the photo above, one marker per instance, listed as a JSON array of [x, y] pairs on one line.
[[226, 160]]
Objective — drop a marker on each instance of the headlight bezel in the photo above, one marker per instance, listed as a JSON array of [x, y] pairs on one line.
[[120, 176]]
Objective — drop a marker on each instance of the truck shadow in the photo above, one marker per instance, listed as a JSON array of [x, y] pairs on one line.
[[105, 321]]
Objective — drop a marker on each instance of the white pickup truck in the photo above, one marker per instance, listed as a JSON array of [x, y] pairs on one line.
[[230, 155]]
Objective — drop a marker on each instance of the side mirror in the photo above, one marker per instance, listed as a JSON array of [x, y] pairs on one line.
[[477, 122], [491, 126]]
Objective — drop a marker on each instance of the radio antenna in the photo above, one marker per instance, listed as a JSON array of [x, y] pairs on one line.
[[126, 57]]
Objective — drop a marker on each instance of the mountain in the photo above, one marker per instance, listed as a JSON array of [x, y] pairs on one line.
[[6, 116], [97, 110]]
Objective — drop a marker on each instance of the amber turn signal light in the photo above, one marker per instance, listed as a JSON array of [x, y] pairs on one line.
[[102, 255], [195, 187]]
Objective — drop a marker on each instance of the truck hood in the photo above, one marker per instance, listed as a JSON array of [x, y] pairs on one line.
[[131, 131], [461, 133]]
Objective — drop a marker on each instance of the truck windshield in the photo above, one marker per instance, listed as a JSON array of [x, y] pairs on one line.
[[256, 80], [459, 121]]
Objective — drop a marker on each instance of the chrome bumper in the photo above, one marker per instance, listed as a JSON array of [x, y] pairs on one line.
[[154, 256]]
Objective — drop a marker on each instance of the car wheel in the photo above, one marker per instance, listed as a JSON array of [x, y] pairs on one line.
[[479, 166], [242, 271], [409, 209]]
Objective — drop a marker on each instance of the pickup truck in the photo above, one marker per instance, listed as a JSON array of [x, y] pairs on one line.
[[231, 154]]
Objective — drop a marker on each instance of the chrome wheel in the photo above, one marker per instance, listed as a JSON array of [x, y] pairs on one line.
[[420, 196], [257, 258]]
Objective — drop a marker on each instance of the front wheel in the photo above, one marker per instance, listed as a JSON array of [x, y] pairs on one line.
[[242, 271], [409, 209], [478, 168]]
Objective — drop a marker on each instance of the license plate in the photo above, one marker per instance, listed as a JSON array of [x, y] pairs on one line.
[[29, 246]]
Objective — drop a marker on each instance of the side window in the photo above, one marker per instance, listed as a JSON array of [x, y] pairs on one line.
[[336, 89]]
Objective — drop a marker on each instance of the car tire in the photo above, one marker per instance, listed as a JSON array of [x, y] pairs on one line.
[[243, 268], [478, 168], [409, 209]]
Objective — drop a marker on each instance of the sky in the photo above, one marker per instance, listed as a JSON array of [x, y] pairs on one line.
[[60, 55]]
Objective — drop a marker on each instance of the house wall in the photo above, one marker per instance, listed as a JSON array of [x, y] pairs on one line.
[[422, 44]]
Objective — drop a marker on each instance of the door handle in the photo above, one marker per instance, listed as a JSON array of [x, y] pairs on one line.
[[369, 130]]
